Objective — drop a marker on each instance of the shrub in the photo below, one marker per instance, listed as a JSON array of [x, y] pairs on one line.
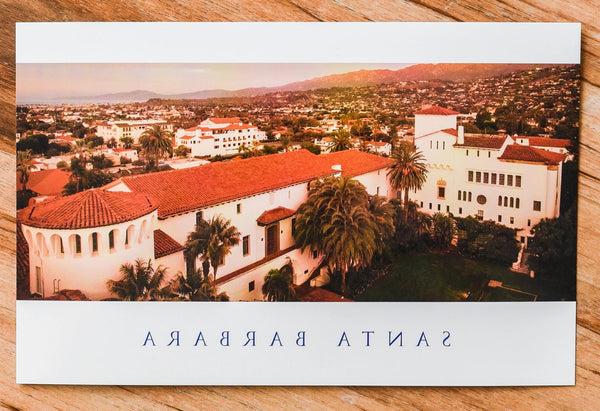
[[62, 165], [444, 229], [486, 240]]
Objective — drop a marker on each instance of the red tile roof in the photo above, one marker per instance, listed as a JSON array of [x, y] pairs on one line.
[[547, 141], [238, 127], [276, 214], [450, 131], [165, 245], [179, 191], [224, 120], [47, 182], [437, 111], [90, 208], [482, 141], [515, 152], [356, 162]]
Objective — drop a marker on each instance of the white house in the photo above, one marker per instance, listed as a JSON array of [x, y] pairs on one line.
[[128, 128], [513, 181], [379, 147], [150, 216], [219, 136]]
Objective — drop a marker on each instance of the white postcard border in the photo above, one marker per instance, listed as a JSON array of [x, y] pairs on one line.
[[294, 42]]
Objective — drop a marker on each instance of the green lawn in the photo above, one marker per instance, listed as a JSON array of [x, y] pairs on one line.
[[451, 277]]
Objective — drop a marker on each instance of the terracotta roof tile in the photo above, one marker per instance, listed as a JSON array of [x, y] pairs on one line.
[[437, 111], [275, 214], [515, 152], [179, 191], [238, 127], [356, 162], [450, 131], [223, 120], [482, 141], [90, 208], [547, 141], [165, 245], [47, 182]]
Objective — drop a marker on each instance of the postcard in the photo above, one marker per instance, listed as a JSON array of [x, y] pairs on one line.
[[297, 203]]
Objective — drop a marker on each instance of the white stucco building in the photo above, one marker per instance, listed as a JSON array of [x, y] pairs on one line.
[[150, 216], [515, 181], [128, 128], [219, 136], [379, 147], [80, 241]]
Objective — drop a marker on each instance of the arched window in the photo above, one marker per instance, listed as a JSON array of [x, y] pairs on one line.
[[143, 230], [94, 242], [111, 240], [57, 245], [512, 202], [41, 244], [517, 202], [500, 200], [76, 244], [505, 201], [129, 236]]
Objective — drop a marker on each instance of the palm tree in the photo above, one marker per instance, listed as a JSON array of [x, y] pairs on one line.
[[223, 236], [407, 172], [24, 166], [285, 142], [382, 213], [197, 246], [78, 175], [139, 282], [82, 150], [341, 141], [195, 287], [335, 221], [278, 285], [127, 142], [156, 143]]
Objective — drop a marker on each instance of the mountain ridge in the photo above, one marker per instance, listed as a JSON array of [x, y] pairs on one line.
[[357, 78]]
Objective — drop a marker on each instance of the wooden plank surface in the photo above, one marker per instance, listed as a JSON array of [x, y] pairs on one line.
[[586, 394]]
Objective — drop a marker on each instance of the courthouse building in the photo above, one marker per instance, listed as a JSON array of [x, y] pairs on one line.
[[80, 241], [513, 180]]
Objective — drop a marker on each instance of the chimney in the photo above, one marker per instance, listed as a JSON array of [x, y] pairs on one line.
[[461, 135], [338, 169]]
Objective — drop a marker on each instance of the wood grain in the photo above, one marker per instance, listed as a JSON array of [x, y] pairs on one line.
[[586, 394]]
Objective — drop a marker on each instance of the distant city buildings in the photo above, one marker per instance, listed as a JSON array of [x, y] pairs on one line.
[[133, 129], [219, 136]]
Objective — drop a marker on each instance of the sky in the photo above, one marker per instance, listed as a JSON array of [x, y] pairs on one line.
[[48, 81]]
